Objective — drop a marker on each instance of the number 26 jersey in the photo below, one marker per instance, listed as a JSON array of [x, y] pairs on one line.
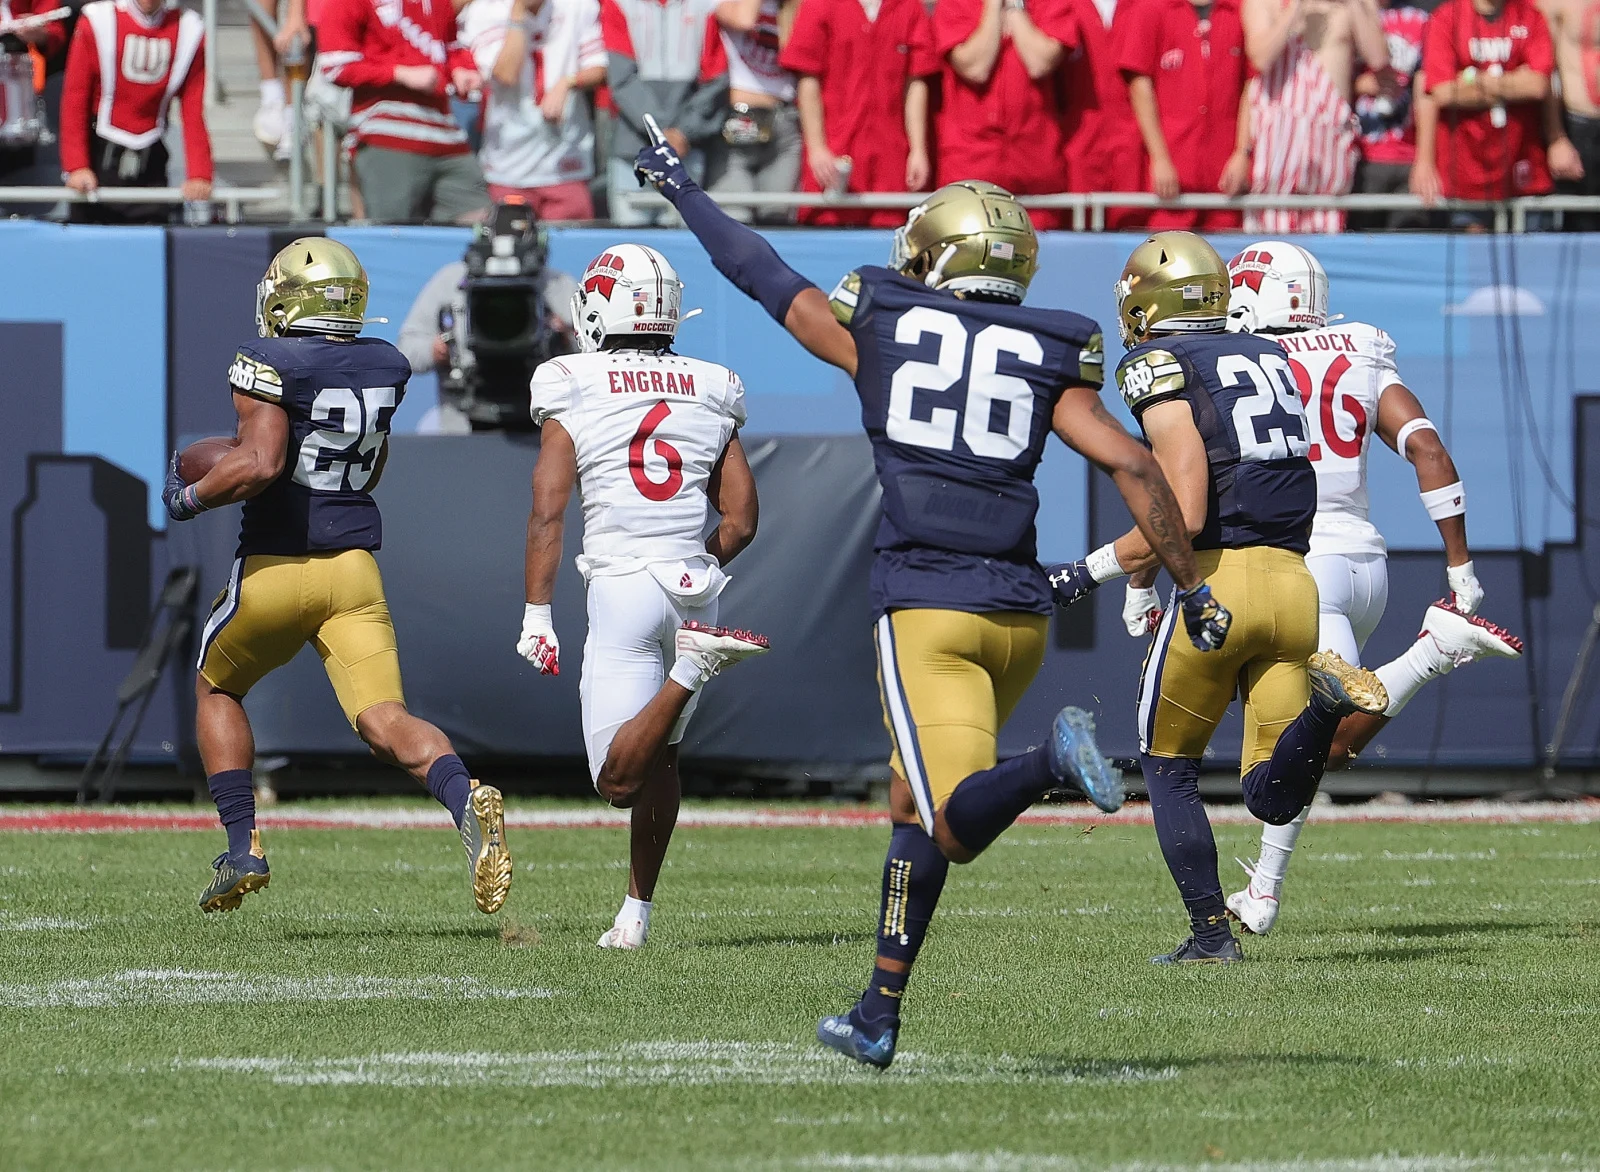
[[340, 397], [1246, 407]]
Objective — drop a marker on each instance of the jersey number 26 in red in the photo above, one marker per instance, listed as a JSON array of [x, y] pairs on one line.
[[655, 490]]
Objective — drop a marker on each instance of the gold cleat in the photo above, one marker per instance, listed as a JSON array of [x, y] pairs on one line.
[[483, 833], [1343, 688]]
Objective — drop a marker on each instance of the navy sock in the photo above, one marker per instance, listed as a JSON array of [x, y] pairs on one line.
[[234, 792], [984, 804], [1276, 790], [913, 877], [1184, 832], [450, 783]]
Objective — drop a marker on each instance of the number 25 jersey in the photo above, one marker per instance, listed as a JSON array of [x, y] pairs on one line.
[[340, 397], [1342, 371], [1247, 409], [957, 398], [648, 428]]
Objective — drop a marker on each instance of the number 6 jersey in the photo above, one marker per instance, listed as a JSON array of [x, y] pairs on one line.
[[1246, 407], [340, 397], [648, 427]]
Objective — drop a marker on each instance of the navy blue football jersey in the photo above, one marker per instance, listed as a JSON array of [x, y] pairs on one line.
[[340, 397], [1247, 409], [957, 397]]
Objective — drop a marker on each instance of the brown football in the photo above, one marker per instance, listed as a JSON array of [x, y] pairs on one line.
[[203, 455]]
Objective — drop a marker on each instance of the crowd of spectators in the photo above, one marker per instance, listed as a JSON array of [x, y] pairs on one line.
[[444, 108]]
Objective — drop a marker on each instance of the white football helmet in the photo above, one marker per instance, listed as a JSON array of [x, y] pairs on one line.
[[627, 289], [1276, 288]]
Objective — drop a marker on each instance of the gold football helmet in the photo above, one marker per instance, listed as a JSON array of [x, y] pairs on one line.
[[968, 237], [314, 286], [1176, 281]]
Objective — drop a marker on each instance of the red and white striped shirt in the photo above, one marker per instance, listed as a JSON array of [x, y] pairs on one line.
[[362, 41], [123, 70], [1306, 137]]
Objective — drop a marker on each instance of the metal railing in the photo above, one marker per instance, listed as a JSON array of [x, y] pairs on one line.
[[232, 199], [1088, 209]]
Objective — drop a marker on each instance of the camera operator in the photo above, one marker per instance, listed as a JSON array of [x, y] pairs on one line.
[[484, 322]]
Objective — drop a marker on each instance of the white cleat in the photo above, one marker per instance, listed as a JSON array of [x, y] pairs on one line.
[[630, 935], [270, 122], [1462, 638], [710, 649], [1256, 907]]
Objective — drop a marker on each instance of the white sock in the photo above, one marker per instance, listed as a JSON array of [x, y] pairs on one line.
[[272, 93], [1277, 844], [686, 672], [1405, 676], [634, 909]]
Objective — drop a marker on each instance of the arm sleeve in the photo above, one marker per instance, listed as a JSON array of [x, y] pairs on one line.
[[1055, 19], [629, 94], [196, 138], [1148, 377], [1541, 50], [76, 90], [1383, 350], [484, 40], [733, 406], [925, 59], [807, 48], [341, 34], [551, 394], [1137, 39], [1438, 51], [460, 53], [706, 110], [953, 22], [251, 374], [591, 42], [55, 33]]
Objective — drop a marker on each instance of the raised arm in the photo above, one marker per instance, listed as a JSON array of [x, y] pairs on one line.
[[1266, 30], [973, 59], [1405, 427], [732, 492], [747, 260], [554, 475]]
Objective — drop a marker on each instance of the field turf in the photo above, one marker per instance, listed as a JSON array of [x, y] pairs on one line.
[[1431, 1001]]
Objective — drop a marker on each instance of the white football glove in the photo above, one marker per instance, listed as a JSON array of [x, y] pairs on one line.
[[1466, 588], [539, 645], [1141, 610]]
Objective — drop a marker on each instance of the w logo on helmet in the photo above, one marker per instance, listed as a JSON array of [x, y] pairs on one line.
[[1248, 268], [601, 275]]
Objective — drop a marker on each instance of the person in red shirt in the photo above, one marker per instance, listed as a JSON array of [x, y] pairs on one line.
[[854, 68], [1486, 65], [1103, 147], [112, 124], [26, 47], [1001, 115], [1186, 70]]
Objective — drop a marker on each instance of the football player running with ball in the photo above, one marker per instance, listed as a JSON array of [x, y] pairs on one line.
[[650, 439], [1225, 420], [1347, 378], [314, 401], [960, 386]]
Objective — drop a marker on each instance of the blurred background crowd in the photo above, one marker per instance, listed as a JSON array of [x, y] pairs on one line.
[[434, 111]]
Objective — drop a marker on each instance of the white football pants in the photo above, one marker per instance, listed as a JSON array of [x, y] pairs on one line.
[[1352, 590], [633, 626]]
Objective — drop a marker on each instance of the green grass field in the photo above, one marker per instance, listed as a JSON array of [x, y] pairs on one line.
[[1430, 1001]]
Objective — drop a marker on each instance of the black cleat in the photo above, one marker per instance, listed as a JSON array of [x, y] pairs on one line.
[[1191, 951]]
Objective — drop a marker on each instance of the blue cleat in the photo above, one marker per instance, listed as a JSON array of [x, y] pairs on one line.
[[842, 1034], [1191, 951], [236, 877], [1077, 761]]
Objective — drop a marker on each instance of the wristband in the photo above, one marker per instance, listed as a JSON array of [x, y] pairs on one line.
[[1409, 429], [1449, 501], [537, 611], [191, 501], [1103, 564]]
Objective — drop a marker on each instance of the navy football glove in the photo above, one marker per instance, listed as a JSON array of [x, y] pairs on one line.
[[1206, 619], [660, 167], [1071, 582], [181, 500]]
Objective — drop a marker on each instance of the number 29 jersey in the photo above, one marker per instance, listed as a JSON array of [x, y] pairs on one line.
[[1342, 371], [340, 397], [1247, 409], [957, 398], [648, 428]]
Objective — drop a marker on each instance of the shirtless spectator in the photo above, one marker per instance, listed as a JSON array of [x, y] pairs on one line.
[[1572, 116], [1304, 126]]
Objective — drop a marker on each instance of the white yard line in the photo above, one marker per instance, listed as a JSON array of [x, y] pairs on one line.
[[142, 987]]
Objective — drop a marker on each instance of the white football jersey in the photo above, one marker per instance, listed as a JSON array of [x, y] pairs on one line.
[[648, 429], [1342, 370]]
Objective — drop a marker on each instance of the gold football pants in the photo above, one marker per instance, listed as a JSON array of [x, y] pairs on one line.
[[949, 680], [1184, 692], [273, 606]]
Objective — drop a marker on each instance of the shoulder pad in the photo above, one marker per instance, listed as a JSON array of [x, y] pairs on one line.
[[1147, 377], [845, 297], [255, 376], [1092, 360]]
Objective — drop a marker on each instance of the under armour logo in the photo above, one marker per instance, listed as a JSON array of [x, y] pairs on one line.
[[686, 582]]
